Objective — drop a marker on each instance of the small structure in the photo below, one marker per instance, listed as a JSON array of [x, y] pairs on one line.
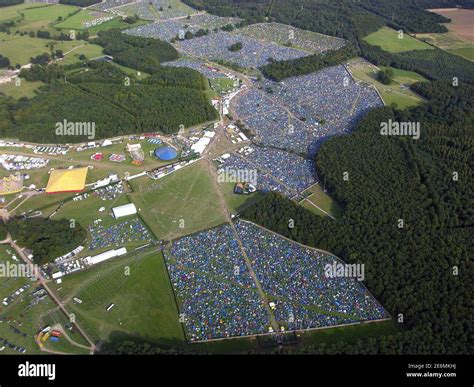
[[67, 180], [125, 210]]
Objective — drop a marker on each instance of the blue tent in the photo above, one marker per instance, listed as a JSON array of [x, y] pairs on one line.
[[166, 153]]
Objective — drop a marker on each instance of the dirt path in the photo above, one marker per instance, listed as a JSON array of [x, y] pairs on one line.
[[44, 284], [225, 209]]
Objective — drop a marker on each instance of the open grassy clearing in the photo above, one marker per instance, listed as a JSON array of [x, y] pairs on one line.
[[324, 201], [14, 12], [76, 21], [90, 51], [222, 85], [43, 17], [19, 49], [235, 202], [397, 92], [450, 42], [180, 204], [388, 39], [144, 302], [22, 89]]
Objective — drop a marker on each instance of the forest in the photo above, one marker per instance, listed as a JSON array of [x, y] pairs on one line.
[[144, 54], [280, 70], [48, 239], [102, 93]]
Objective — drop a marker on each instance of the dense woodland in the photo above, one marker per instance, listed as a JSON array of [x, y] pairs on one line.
[[79, 3], [144, 54], [102, 93], [280, 70], [48, 239], [410, 269]]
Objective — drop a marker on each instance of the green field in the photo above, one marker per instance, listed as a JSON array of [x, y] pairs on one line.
[[90, 51], [39, 17], [179, 204], [322, 200], [397, 92], [143, 298], [14, 12], [75, 22], [388, 39], [450, 42], [466, 52], [24, 88], [222, 85], [237, 203], [19, 49]]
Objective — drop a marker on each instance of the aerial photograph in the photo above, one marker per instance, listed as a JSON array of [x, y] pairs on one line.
[[216, 182]]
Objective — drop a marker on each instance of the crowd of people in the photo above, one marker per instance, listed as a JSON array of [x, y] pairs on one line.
[[297, 274], [218, 298], [294, 37], [253, 54], [168, 30], [118, 234]]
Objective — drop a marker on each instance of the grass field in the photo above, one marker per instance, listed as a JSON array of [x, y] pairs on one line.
[[350, 333], [222, 85], [450, 42], [19, 49], [323, 201], [179, 204], [24, 88], [144, 302], [388, 40], [90, 51], [14, 12], [237, 203], [76, 21], [40, 17], [466, 52], [397, 92]]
